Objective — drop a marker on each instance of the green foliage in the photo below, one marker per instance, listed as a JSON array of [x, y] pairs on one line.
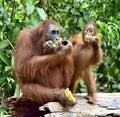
[[2, 111], [16, 15], [72, 14], [69, 15]]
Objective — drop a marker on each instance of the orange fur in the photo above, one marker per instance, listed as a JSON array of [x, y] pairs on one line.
[[41, 74], [85, 55]]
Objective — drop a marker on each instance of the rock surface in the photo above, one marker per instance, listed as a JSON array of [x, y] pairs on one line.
[[107, 105]]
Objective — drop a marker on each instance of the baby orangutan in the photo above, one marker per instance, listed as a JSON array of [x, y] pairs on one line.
[[86, 53]]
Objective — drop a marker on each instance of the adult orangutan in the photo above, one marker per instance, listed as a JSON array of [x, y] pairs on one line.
[[44, 71], [86, 53]]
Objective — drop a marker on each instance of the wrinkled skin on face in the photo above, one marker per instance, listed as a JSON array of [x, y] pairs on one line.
[[52, 35]]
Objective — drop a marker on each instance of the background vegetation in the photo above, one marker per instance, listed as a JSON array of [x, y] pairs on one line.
[[71, 15]]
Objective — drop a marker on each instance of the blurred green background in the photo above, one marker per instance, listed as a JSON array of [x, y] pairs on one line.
[[71, 15]]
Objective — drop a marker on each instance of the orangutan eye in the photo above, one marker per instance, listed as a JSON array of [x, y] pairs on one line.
[[92, 32], [53, 32], [57, 31], [87, 30]]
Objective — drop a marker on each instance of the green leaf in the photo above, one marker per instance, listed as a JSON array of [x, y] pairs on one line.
[[58, 1], [74, 12], [35, 20], [17, 90], [4, 58], [1, 34], [119, 86], [3, 44], [84, 5], [80, 23], [7, 68], [41, 13], [29, 9], [15, 33]]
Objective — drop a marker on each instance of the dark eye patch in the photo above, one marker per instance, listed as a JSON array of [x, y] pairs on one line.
[[53, 32], [57, 31], [86, 30]]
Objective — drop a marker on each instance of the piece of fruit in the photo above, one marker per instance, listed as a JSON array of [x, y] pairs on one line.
[[97, 38], [69, 95], [57, 43]]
